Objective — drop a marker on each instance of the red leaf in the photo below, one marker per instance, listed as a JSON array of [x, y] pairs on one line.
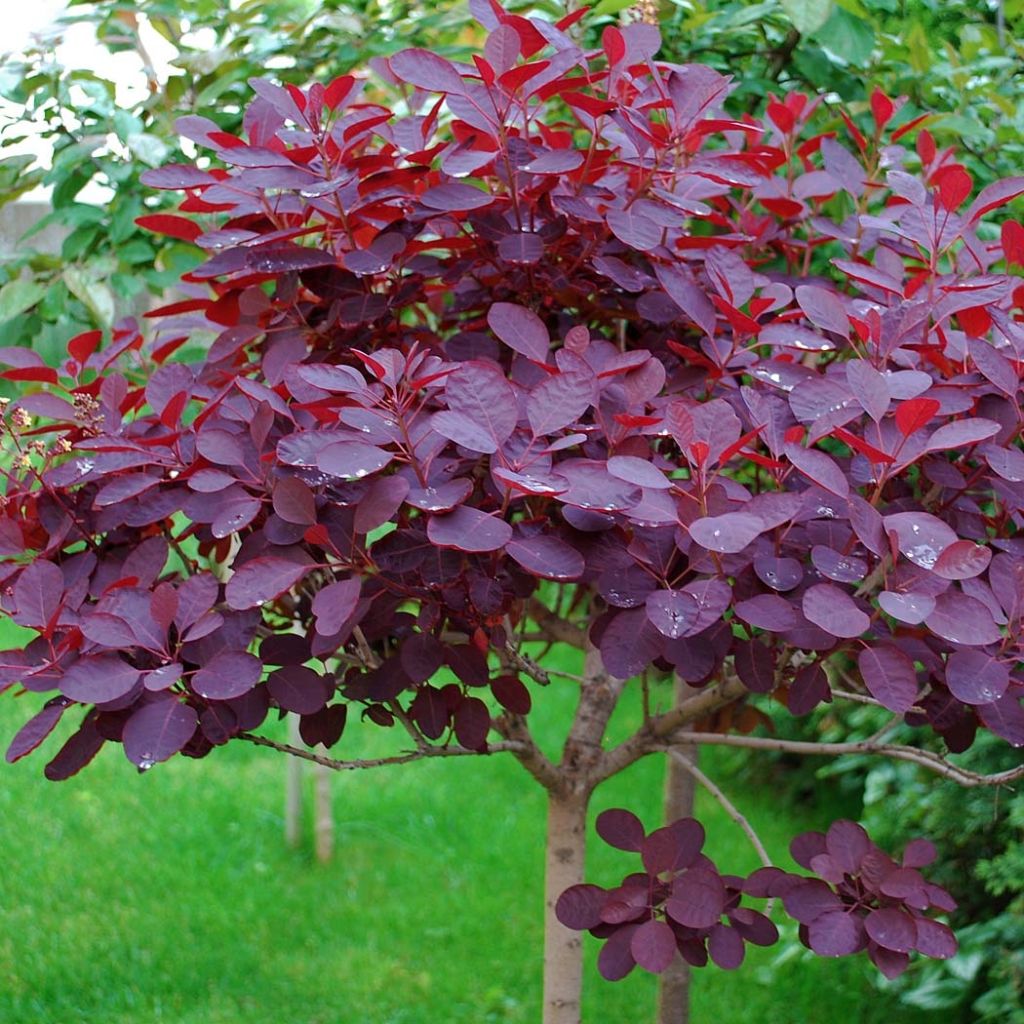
[[882, 108], [168, 224], [614, 45], [858, 444], [81, 346], [915, 413], [1012, 238], [43, 374], [954, 186]]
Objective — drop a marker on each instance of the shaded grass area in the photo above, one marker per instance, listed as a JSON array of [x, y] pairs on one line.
[[171, 897]]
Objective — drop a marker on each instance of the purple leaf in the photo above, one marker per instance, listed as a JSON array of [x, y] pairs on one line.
[[352, 459], [522, 247], [919, 853], [472, 723], [868, 387], [698, 898], [823, 308], [579, 907], [725, 947], [889, 676], [809, 900], [819, 467], [634, 229], [892, 929], [834, 611], [98, 679], [262, 580], [727, 533], [616, 959], [847, 844], [672, 612], [37, 594], [961, 434], [778, 573], [36, 729], [294, 501], [922, 537], [228, 674], [673, 847], [426, 70], [468, 529], [299, 689], [963, 620], [835, 933], [324, 726], [1005, 717], [157, 731], [767, 611], [962, 560], [910, 608], [975, 677], [934, 939], [630, 643], [79, 749], [638, 471], [456, 196], [480, 397], [654, 946], [547, 557], [521, 329], [333, 605], [810, 688], [621, 829], [559, 400]]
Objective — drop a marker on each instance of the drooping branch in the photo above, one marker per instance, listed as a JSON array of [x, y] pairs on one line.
[[506, 746], [726, 804], [925, 758]]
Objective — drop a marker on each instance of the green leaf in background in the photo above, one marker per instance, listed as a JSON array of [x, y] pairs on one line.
[[92, 293], [612, 6], [920, 53], [17, 296], [807, 16], [848, 37]]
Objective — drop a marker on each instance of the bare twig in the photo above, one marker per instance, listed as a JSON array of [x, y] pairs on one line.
[[506, 746], [925, 758], [730, 808]]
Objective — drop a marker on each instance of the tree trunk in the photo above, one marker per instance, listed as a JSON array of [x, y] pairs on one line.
[[323, 814], [674, 984], [563, 949], [293, 789]]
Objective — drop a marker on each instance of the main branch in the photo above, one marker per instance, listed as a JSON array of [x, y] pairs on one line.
[[925, 758]]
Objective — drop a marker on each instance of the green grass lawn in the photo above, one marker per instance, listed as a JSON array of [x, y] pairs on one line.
[[171, 897]]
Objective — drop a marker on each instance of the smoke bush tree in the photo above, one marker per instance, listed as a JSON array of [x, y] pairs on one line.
[[547, 351]]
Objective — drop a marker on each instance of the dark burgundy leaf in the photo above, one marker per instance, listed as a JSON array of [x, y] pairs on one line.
[[673, 847], [727, 533], [157, 731], [472, 722], [934, 939], [975, 677], [469, 529], [79, 749], [725, 947], [698, 898], [260, 581], [654, 946], [294, 501], [37, 594], [889, 676], [352, 459], [962, 560], [512, 694], [228, 674], [36, 729], [834, 611], [963, 620], [579, 907], [99, 679], [809, 900], [324, 727], [835, 933], [621, 829], [299, 689], [548, 557], [334, 605], [521, 329], [892, 929], [616, 958]]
